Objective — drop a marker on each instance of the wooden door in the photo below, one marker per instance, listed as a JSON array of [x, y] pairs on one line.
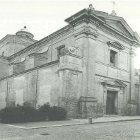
[[110, 102]]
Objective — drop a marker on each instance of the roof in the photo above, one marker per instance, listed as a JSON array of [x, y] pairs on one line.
[[113, 22]]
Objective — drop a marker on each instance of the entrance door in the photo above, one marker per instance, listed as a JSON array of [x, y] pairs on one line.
[[110, 102]]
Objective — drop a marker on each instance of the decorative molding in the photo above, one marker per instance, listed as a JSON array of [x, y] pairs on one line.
[[98, 19], [71, 69], [114, 83], [73, 50], [77, 15], [39, 53], [4, 58], [111, 78], [32, 69], [117, 68], [82, 16], [16, 63], [87, 31], [43, 41], [116, 45]]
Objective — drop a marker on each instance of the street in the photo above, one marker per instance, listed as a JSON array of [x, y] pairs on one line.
[[126, 130]]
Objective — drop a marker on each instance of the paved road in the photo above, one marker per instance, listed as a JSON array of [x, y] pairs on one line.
[[103, 131]]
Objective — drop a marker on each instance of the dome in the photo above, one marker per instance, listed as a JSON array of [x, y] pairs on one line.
[[25, 33]]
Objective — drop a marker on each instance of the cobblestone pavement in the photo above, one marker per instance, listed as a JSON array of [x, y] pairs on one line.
[[103, 131]]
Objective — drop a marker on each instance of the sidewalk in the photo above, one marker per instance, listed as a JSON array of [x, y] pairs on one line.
[[110, 118], [105, 119]]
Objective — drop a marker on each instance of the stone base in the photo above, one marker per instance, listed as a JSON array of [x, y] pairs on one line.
[[87, 107], [132, 109], [71, 106]]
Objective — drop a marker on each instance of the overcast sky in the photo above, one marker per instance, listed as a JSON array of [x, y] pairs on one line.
[[43, 17]]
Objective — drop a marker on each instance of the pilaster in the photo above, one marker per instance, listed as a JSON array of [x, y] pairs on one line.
[[132, 77], [30, 95], [70, 71], [89, 56], [132, 97]]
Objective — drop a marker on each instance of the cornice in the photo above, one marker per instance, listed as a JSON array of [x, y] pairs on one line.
[[117, 68], [112, 78], [4, 38], [4, 59], [115, 83], [111, 31], [88, 31], [42, 41], [77, 15], [38, 53], [93, 17], [84, 15], [116, 45], [16, 63], [29, 70], [71, 69]]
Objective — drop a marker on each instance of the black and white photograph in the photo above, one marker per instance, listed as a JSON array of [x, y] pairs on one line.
[[69, 69]]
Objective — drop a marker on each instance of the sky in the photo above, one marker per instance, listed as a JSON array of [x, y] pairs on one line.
[[43, 17]]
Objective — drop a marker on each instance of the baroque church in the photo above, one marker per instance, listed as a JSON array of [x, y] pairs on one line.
[[87, 67]]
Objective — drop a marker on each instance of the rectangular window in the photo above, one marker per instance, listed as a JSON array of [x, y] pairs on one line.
[[113, 58], [61, 51]]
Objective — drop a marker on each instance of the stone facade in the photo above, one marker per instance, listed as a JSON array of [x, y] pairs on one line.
[[85, 67]]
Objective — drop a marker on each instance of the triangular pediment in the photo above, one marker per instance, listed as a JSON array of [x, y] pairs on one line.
[[117, 25], [114, 83], [111, 22]]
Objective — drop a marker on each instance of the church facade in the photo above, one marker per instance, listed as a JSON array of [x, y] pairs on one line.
[[87, 67]]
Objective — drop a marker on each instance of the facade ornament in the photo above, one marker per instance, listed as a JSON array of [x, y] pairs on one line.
[[113, 11], [115, 83], [73, 50], [87, 31], [91, 8], [116, 45]]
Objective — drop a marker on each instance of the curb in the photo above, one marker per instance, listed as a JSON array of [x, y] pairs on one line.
[[116, 121], [74, 124]]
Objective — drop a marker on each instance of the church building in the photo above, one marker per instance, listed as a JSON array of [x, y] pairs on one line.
[[87, 67]]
